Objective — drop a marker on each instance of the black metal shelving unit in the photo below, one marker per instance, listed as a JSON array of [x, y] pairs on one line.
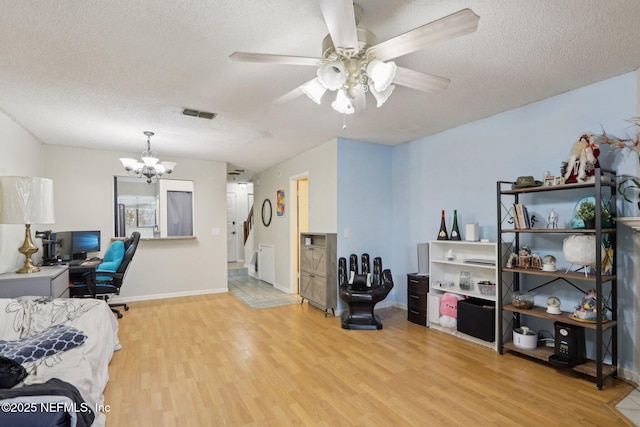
[[605, 181]]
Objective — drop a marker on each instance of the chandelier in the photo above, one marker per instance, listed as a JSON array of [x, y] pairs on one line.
[[351, 75], [151, 166]]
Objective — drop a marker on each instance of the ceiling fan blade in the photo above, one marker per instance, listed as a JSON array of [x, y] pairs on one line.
[[420, 81], [341, 22], [274, 59], [447, 28], [289, 96]]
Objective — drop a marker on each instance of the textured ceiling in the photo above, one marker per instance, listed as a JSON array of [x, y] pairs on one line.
[[97, 73]]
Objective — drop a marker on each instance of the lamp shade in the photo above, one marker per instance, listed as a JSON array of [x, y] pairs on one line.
[[343, 104], [381, 73], [168, 166], [26, 200], [381, 97], [332, 75], [314, 90]]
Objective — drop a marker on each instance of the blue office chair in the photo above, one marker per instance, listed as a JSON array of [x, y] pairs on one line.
[[109, 275]]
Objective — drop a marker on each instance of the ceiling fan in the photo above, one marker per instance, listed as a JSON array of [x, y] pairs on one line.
[[353, 63]]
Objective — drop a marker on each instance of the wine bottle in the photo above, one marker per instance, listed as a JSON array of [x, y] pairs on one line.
[[455, 233], [442, 234]]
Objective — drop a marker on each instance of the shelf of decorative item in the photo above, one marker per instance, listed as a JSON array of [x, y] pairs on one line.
[[560, 273], [558, 230], [590, 367], [630, 221], [560, 187], [541, 313], [604, 184], [447, 260]]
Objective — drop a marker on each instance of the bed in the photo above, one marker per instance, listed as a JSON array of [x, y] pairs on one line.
[[64, 384]]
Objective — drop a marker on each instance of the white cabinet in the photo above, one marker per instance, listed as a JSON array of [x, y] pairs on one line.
[[318, 270], [460, 267]]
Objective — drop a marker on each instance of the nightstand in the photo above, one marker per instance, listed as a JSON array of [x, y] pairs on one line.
[[48, 282], [417, 289]]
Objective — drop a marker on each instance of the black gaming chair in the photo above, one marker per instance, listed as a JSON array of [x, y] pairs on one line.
[[102, 284], [363, 291]]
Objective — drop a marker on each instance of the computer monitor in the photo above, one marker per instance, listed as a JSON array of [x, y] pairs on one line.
[[83, 242], [61, 245]]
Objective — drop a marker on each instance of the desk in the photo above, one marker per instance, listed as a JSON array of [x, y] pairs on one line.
[[48, 282], [77, 272]]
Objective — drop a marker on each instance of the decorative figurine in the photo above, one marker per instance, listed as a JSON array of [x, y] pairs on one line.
[[536, 261], [552, 219]]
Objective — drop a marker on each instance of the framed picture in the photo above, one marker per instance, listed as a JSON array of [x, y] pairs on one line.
[[280, 203], [146, 217], [558, 180], [131, 217], [550, 181]]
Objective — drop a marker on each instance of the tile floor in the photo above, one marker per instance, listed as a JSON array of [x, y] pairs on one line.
[[630, 406], [256, 293]]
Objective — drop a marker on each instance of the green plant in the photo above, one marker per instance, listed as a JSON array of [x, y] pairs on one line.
[[587, 211]]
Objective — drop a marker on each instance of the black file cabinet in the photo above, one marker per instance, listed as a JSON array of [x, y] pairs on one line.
[[417, 289]]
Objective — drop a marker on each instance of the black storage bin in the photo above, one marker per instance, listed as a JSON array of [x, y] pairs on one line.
[[477, 317]]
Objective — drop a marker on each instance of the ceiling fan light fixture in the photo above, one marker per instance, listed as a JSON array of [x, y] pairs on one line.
[[381, 73], [332, 75], [381, 97], [343, 104], [314, 90]]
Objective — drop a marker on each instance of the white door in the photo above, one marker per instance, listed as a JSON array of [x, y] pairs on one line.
[[266, 267], [232, 234]]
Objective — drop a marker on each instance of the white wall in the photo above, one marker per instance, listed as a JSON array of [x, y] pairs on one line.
[[19, 156], [83, 186], [320, 164]]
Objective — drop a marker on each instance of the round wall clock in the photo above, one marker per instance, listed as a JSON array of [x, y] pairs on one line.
[[266, 212]]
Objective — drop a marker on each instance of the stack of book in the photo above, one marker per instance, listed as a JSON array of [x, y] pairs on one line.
[[520, 216]]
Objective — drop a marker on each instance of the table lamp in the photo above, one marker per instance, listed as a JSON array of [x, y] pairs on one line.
[[26, 200]]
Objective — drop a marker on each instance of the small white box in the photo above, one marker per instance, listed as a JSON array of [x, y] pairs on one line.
[[472, 234], [307, 241]]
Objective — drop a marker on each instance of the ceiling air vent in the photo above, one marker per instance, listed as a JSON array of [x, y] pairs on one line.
[[196, 113]]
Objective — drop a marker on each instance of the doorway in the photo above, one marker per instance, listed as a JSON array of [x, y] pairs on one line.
[[232, 235], [299, 188]]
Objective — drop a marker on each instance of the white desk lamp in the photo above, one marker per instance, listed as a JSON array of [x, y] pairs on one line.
[[26, 200]]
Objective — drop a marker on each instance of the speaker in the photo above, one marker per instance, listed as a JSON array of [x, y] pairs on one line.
[[423, 258]]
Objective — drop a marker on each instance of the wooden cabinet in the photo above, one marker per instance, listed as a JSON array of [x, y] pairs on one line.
[[48, 282], [318, 270], [450, 264], [417, 289], [601, 343]]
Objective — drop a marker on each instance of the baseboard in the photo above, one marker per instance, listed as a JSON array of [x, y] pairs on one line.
[[121, 299]]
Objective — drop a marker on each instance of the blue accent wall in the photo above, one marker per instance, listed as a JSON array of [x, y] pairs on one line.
[[390, 198], [459, 168], [364, 201]]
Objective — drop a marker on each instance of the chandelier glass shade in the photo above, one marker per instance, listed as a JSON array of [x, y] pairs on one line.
[[150, 166], [351, 77]]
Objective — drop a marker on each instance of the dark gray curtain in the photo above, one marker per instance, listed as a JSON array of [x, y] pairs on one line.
[[179, 213]]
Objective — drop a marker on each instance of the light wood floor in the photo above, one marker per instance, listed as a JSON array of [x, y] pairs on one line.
[[211, 360]]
